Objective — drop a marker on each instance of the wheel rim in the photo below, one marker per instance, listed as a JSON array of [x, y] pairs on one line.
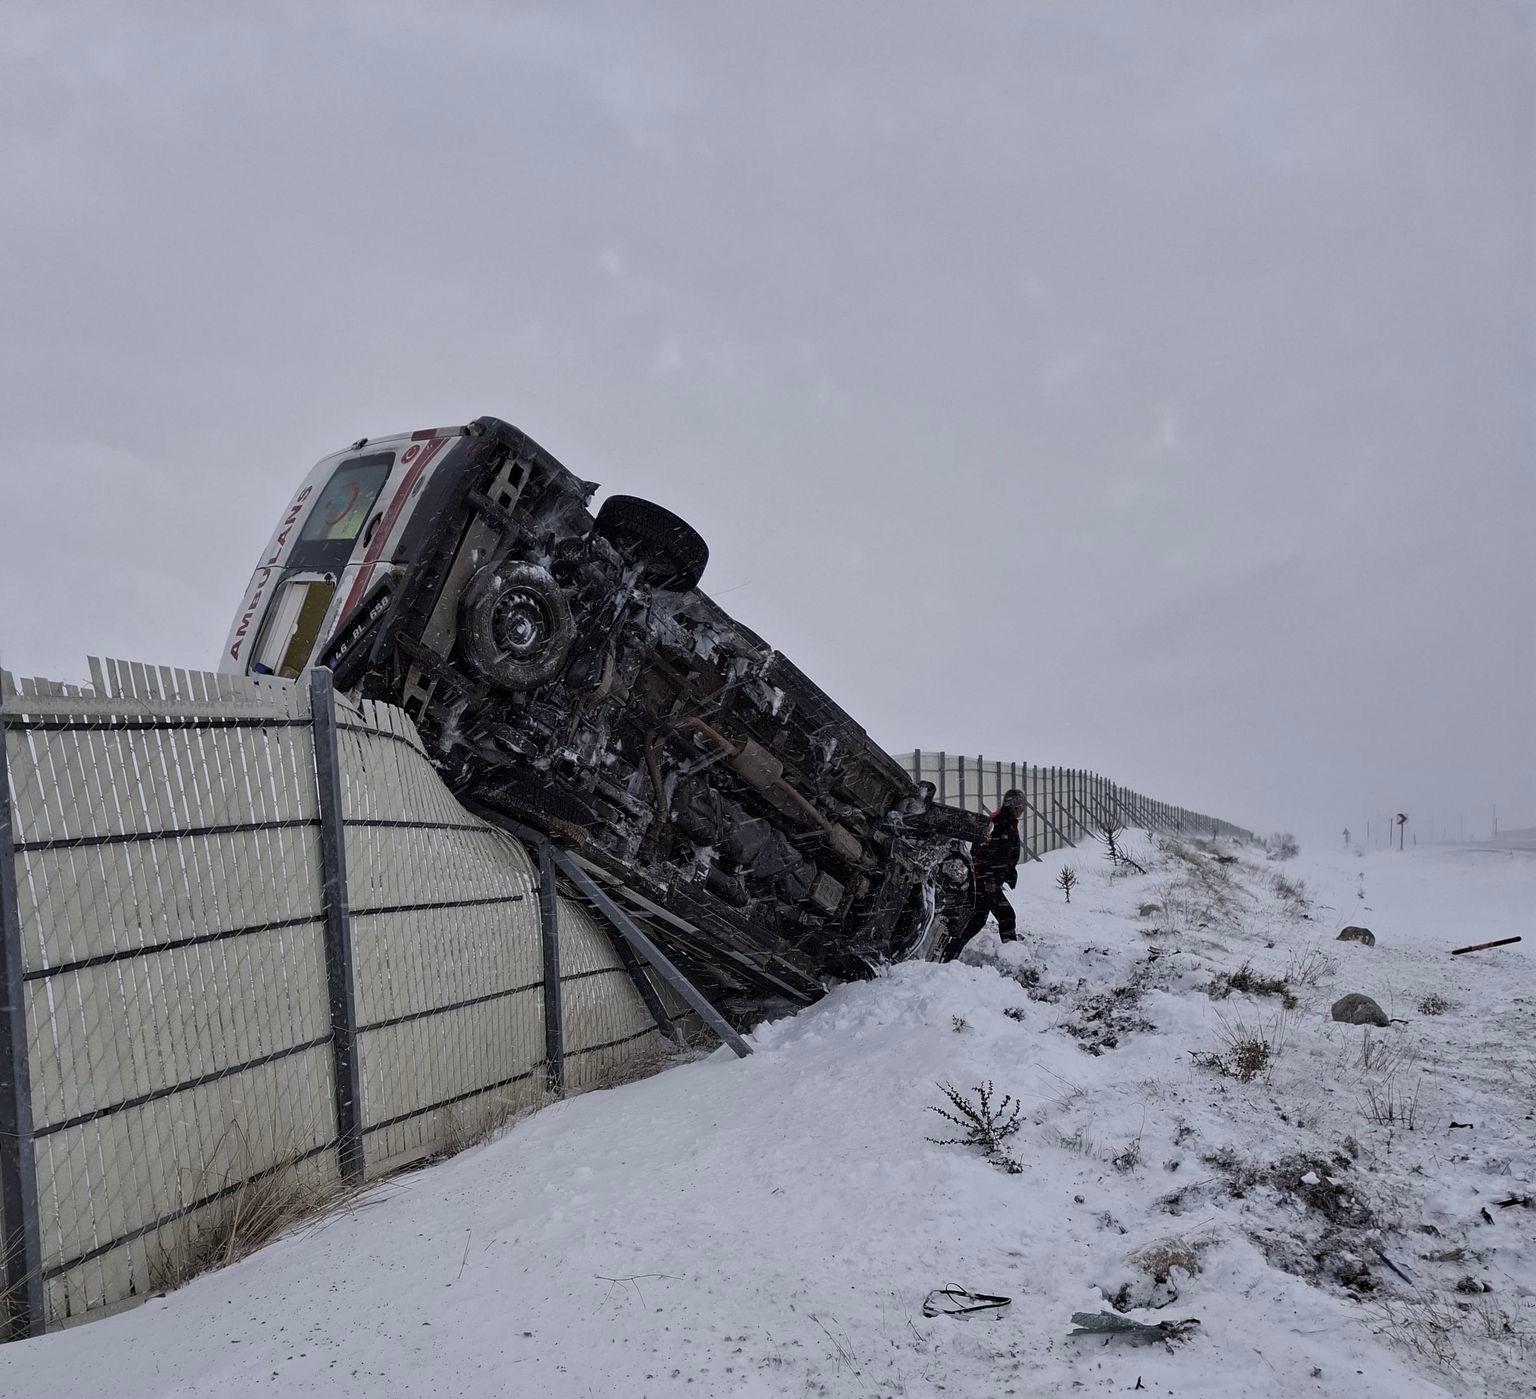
[[521, 624]]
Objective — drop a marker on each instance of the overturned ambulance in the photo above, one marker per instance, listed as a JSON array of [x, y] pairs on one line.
[[569, 678]]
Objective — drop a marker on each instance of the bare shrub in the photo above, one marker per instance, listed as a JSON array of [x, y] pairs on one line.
[[983, 1124], [1310, 966], [1282, 846], [1434, 1004]]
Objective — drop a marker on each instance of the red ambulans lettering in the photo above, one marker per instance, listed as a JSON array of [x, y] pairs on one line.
[[264, 572]]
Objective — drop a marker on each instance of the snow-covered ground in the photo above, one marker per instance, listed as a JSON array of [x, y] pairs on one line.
[[771, 1226]]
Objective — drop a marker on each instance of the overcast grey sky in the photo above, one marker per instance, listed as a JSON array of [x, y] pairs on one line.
[[1146, 387]]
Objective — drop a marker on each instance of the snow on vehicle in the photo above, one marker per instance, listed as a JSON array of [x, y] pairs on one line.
[[569, 677]]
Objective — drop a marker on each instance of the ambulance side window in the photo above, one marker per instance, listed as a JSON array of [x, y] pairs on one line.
[[340, 511]]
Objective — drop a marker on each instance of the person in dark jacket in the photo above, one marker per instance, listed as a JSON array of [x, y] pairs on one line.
[[996, 863]]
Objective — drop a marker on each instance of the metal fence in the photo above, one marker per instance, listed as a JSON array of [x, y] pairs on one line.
[[1061, 804], [248, 933]]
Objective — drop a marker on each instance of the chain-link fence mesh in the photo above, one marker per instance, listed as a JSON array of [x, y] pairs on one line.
[[177, 982], [164, 832], [202, 945]]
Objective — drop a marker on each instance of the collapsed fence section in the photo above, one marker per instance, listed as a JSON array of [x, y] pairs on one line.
[[250, 939], [1061, 804]]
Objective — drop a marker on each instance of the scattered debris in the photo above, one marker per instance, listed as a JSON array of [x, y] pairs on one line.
[[1110, 1325], [1467, 1125], [1364, 936], [1358, 1009], [1483, 946], [1524, 1200], [960, 1301], [1251, 983], [1403, 1273]]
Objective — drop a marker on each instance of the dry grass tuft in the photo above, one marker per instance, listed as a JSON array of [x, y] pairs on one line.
[[1248, 1051], [1426, 1326], [1252, 983], [1388, 1106], [1383, 1053], [1291, 891], [1177, 1252], [262, 1203]]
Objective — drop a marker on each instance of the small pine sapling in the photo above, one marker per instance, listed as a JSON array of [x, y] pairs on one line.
[[1066, 877], [1108, 833]]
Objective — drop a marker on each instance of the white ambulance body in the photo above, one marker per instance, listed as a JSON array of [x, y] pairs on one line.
[[332, 549]]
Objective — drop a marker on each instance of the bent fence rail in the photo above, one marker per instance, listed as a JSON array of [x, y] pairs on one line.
[[247, 931], [1062, 804]]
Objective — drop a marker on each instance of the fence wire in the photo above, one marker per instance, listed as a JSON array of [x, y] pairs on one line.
[[176, 979], [192, 998]]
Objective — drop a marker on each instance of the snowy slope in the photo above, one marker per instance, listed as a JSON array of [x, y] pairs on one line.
[[771, 1226]]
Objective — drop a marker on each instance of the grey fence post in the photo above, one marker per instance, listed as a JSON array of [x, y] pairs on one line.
[[22, 1274], [554, 1022], [338, 926]]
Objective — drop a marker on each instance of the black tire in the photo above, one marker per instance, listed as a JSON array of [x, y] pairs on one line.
[[515, 626], [669, 550]]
